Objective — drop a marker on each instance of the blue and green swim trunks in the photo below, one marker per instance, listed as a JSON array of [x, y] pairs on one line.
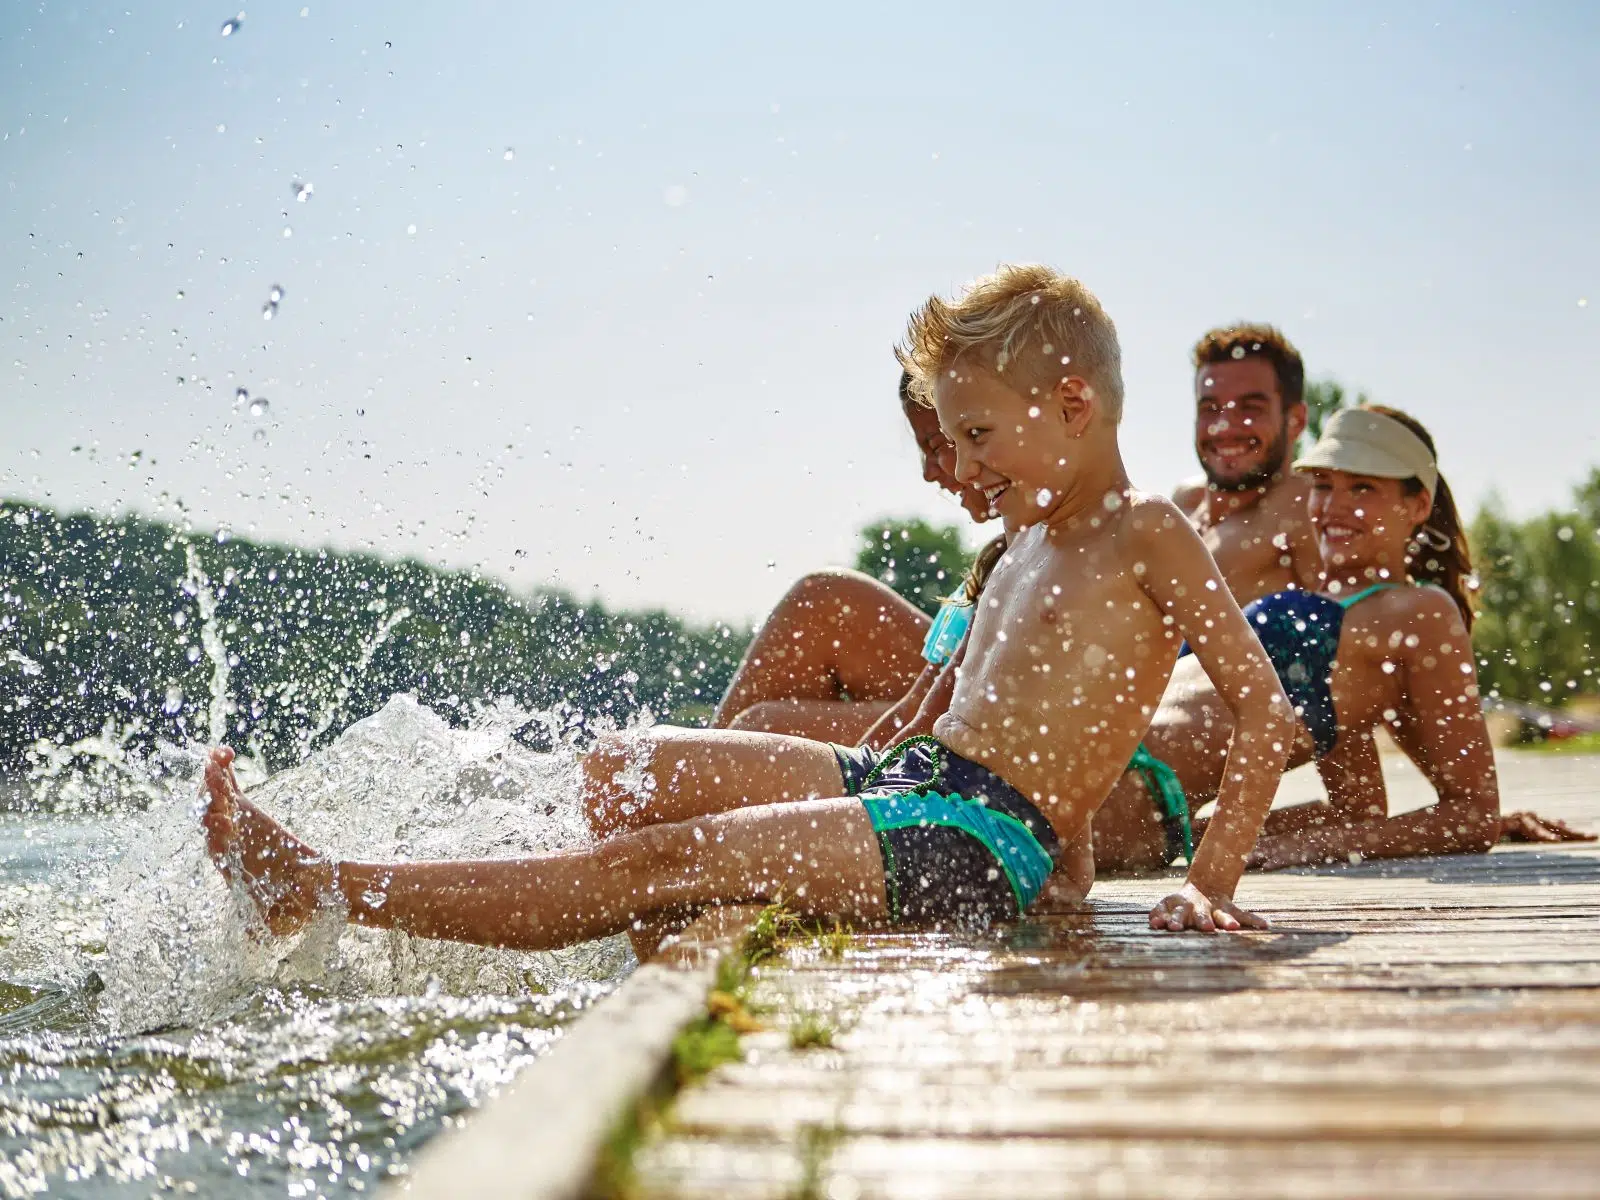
[[961, 846]]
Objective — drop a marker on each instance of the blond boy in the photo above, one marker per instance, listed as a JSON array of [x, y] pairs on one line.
[[1068, 655]]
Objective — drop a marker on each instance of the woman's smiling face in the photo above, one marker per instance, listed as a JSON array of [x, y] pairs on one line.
[[939, 459], [1363, 520]]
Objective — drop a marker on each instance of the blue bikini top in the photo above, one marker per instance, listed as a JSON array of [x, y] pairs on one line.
[[948, 628], [1300, 633]]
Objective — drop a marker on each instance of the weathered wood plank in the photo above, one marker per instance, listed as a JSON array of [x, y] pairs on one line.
[[1418, 1028]]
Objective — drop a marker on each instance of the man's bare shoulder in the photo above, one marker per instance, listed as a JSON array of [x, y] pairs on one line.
[[1189, 493], [1288, 494]]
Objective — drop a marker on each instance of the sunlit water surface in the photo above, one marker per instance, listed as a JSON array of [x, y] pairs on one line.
[[151, 1041]]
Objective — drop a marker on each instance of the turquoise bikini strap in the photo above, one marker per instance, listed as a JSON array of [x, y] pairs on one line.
[[1364, 593]]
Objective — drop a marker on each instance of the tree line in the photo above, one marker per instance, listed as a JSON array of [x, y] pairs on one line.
[[116, 634]]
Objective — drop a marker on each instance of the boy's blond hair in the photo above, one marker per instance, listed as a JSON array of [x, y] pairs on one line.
[[1028, 325]]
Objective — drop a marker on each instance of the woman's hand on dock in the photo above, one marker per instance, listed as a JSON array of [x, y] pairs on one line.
[[1531, 827]]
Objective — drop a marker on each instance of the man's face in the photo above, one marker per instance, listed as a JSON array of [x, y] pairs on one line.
[[1015, 450], [1242, 434]]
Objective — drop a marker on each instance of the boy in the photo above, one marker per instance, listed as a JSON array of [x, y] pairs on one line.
[[1069, 652]]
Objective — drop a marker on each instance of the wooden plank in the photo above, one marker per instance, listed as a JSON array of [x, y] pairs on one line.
[[1416, 1028]]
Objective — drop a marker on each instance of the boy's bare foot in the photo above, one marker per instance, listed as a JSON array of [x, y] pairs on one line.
[[287, 879]]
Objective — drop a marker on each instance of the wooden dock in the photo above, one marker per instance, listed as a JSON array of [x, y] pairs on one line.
[[1416, 1028]]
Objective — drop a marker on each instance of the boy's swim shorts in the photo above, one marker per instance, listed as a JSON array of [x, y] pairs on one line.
[[961, 846]]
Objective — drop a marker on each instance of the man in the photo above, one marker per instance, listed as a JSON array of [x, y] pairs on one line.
[[1249, 386]]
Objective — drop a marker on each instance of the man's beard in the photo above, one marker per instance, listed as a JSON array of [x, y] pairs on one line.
[[1277, 462]]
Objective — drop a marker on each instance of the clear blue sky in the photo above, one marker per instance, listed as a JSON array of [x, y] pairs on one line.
[[648, 354]]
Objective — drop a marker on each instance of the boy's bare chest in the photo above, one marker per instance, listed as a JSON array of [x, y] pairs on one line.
[[1058, 593]]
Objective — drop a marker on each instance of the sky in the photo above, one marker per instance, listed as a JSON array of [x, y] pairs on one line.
[[603, 296]]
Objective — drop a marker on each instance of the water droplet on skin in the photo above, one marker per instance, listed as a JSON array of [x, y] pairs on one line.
[[1042, 498], [1033, 410]]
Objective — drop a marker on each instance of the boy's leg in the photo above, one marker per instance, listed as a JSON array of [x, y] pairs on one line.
[[820, 856], [835, 634]]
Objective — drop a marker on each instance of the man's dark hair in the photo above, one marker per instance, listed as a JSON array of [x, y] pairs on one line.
[[1233, 342]]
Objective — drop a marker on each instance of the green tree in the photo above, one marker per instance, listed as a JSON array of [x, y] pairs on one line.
[[1539, 612], [922, 562]]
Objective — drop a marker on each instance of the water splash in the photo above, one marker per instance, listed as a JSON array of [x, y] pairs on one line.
[[148, 916], [197, 584]]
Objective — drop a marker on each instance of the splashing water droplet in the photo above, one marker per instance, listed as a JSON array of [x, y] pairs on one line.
[[275, 295], [241, 397], [510, 153], [229, 28], [268, 311], [302, 191], [412, 230], [258, 407]]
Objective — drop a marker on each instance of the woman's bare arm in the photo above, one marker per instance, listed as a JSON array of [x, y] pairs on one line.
[[1441, 729], [933, 706], [887, 729]]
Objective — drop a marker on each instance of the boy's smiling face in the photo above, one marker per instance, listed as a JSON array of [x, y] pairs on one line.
[[1015, 448]]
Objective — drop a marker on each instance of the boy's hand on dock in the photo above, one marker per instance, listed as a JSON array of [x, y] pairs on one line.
[[1190, 908]]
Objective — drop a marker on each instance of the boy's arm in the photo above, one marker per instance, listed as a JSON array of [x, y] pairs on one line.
[[1183, 581]]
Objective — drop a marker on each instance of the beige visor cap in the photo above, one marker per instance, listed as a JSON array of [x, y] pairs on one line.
[[1364, 442]]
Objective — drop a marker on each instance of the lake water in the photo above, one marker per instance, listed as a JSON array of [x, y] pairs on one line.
[[151, 1042]]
